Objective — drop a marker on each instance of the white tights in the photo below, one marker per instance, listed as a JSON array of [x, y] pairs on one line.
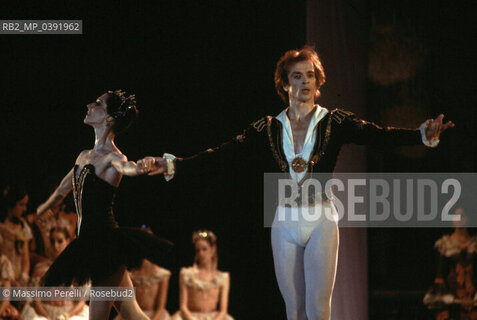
[[305, 257]]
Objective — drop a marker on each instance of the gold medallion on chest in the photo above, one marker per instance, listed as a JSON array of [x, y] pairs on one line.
[[298, 164]]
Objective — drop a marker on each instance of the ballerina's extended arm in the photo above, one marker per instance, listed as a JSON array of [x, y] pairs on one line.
[[57, 196], [128, 168]]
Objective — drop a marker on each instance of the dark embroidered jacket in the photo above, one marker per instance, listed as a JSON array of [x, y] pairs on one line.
[[263, 139]]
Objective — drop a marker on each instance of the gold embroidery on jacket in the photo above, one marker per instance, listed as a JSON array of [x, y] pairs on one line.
[[338, 115], [281, 163], [259, 125], [240, 138]]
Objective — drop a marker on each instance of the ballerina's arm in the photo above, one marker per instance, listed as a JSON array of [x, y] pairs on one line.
[[162, 298], [242, 144], [127, 168], [224, 299], [183, 297], [58, 195]]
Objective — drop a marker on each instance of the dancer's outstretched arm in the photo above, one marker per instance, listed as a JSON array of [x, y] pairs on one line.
[[352, 129], [242, 144], [359, 131], [127, 168], [58, 195], [60, 192]]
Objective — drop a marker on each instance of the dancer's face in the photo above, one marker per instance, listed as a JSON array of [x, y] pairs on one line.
[[97, 112], [204, 251], [301, 82], [58, 242], [19, 208]]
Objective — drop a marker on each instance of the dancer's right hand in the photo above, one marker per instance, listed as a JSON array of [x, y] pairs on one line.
[[152, 165]]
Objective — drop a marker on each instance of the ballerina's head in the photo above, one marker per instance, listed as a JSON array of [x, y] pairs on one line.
[[299, 75], [112, 109], [13, 201], [205, 243], [59, 239]]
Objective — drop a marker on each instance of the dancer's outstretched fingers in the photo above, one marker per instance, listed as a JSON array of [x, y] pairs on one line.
[[436, 127]]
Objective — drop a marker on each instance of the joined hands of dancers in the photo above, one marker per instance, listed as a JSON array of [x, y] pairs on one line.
[[298, 78]]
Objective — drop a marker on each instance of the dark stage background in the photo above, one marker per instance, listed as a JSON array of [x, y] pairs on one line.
[[201, 73]]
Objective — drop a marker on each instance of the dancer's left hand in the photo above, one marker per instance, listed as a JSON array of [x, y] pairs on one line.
[[435, 127]]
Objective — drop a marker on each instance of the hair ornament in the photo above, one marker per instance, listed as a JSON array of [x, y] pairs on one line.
[[127, 103], [204, 235], [210, 237]]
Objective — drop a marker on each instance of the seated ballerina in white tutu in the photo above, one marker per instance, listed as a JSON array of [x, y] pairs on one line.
[[202, 287]]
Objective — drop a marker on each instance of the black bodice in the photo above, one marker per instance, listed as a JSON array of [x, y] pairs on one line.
[[101, 247], [94, 201]]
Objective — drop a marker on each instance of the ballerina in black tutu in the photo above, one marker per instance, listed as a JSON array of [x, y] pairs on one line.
[[102, 252]]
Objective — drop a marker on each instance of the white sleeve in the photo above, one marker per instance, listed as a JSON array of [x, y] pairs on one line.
[[171, 167], [433, 143]]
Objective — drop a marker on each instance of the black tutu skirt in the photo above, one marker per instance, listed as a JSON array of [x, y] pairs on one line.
[[96, 256]]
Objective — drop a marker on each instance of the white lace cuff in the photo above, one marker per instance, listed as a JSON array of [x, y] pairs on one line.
[[171, 167], [432, 143]]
